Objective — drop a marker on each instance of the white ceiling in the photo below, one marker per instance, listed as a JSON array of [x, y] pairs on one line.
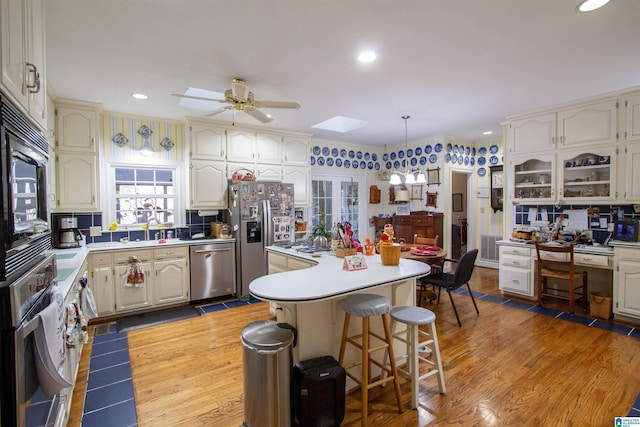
[[457, 67]]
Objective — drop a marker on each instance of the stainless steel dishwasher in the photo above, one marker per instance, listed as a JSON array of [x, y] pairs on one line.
[[212, 270]]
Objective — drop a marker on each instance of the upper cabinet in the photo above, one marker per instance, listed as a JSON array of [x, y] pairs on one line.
[[269, 148], [241, 146], [632, 107], [533, 178], [295, 150], [22, 60], [532, 134], [587, 176], [208, 142], [591, 124]]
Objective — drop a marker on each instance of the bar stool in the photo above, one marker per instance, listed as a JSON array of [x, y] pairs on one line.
[[414, 317], [367, 306]]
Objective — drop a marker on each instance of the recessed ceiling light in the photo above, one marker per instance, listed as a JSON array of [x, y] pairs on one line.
[[487, 132], [367, 56], [589, 5], [139, 96]]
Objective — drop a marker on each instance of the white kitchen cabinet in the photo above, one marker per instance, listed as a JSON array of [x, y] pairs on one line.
[[626, 279], [587, 176], [532, 134], [171, 275], [300, 177], [533, 178], [207, 141], [632, 117], [517, 271], [133, 297], [101, 283], [269, 173], [295, 150], [631, 173], [22, 59], [77, 126], [592, 124], [268, 148], [77, 182], [208, 184], [241, 146]]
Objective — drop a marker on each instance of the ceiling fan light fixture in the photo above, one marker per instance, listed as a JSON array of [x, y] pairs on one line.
[[590, 5]]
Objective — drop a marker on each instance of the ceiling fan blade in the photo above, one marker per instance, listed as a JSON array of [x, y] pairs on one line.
[[198, 97], [276, 104], [218, 111], [257, 114]]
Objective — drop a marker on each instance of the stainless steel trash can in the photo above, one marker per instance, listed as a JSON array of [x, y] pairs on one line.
[[268, 362]]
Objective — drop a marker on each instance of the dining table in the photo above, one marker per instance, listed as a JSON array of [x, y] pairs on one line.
[[432, 255]]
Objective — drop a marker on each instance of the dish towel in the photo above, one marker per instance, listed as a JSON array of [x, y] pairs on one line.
[[88, 303], [50, 345], [76, 333]]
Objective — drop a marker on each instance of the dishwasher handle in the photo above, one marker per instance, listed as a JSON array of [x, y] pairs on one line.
[[204, 251]]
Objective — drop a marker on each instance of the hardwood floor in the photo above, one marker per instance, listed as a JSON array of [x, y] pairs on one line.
[[507, 366]]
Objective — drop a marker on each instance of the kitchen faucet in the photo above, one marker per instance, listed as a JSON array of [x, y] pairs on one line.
[[151, 218]]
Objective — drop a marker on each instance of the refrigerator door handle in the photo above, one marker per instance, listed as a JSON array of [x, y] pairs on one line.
[[268, 221]]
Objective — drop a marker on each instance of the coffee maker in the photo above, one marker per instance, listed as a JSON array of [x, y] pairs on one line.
[[67, 235]]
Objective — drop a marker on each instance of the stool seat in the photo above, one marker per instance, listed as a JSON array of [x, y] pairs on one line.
[[412, 315], [366, 305]]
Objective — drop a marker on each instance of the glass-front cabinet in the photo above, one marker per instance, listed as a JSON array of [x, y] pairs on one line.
[[533, 179], [587, 176]]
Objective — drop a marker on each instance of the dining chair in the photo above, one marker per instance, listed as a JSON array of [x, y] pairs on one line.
[[427, 241]]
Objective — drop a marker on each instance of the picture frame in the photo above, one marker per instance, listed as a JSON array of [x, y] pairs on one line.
[[433, 176], [416, 192], [432, 199], [403, 210], [457, 202]]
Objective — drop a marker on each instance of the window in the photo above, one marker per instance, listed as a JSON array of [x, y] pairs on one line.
[[338, 199]]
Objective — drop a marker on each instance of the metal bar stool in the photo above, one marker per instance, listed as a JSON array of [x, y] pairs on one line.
[[414, 317], [367, 306]]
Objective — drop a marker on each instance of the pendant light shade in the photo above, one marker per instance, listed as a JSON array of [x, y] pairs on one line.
[[410, 177]]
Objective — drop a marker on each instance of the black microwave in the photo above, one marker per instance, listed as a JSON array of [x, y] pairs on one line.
[[626, 230]]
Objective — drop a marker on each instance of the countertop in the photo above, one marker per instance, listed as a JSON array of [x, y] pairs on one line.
[[586, 249], [327, 279]]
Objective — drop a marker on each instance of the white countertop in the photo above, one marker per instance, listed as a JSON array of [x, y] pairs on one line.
[[586, 249], [327, 279]]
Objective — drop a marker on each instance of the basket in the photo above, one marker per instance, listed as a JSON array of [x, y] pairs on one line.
[[342, 252], [600, 305], [389, 254], [239, 176]]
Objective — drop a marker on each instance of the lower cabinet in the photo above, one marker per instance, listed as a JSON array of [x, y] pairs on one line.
[[279, 263], [626, 276], [516, 274], [101, 274], [171, 281]]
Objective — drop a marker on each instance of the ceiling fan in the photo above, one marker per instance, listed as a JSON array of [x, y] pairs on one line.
[[240, 98]]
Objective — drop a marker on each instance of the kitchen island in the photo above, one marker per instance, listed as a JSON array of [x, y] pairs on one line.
[[308, 298]]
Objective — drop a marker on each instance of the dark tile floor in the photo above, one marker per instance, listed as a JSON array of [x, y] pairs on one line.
[[109, 399]]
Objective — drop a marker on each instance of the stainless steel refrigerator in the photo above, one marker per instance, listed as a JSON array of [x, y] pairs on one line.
[[261, 214]]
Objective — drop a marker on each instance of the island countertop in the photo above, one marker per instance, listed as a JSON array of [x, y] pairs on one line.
[[328, 280]]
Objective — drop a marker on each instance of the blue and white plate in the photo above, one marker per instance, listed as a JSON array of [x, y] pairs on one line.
[[466, 161], [460, 159], [352, 154], [363, 164], [428, 149], [354, 164], [367, 156], [455, 149], [321, 161], [454, 158], [433, 158], [343, 153], [374, 157], [389, 165], [385, 157], [461, 149], [482, 171], [413, 161], [396, 164], [404, 163], [325, 151], [493, 160], [449, 148], [329, 161], [401, 154], [370, 165], [312, 161], [472, 161], [335, 152], [339, 162], [347, 164], [468, 151], [418, 151], [423, 160], [447, 157], [392, 156], [377, 166], [482, 151], [473, 151], [409, 152], [359, 154], [316, 150], [438, 148], [493, 149], [482, 161]]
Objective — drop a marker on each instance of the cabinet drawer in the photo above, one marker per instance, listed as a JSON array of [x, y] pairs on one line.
[[298, 264], [516, 261], [402, 220], [515, 250], [122, 257], [516, 280], [171, 252], [423, 220], [278, 261], [627, 253], [591, 259], [101, 258]]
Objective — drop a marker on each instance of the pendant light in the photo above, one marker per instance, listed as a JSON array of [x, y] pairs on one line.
[[409, 175]]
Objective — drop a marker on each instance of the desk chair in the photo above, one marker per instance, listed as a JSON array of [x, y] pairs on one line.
[[451, 282], [427, 241], [559, 255]]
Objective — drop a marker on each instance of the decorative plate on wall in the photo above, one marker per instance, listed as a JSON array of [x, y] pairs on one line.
[[428, 149], [389, 165], [460, 159], [392, 156], [493, 160], [433, 158], [414, 161], [409, 152], [454, 158], [335, 152], [325, 151], [316, 150], [482, 151], [401, 154], [377, 166], [466, 160], [438, 148], [354, 164], [418, 151], [473, 151], [374, 157], [352, 154], [423, 160], [396, 164], [312, 161], [366, 156], [370, 165], [329, 161], [347, 164], [385, 157], [359, 154], [447, 157], [472, 161], [321, 161], [482, 161], [482, 171], [339, 162], [493, 149], [363, 164], [449, 147], [455, 149], [343, 153]]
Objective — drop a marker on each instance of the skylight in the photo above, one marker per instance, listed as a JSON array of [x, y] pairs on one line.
[[341, 124], [198, 104]]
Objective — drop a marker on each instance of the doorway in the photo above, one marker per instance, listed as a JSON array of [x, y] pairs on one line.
[[461, 207]]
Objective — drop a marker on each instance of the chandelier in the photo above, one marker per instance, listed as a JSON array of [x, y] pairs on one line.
[[409, 175]]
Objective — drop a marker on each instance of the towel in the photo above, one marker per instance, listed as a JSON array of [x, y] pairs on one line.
[[88, 303], [76, 333], [50, 345]]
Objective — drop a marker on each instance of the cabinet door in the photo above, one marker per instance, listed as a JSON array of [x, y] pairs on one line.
[[593, 124], [627, 285], [207, 141], [587, 176], [269, 172], [103, 292], [130, 297], [632, 173], [295, 150], [208, 184], [77, 182], [300, 177], [13, 36], [77, 129], [516, 280], [36, 57], [532, 178], [632, 107], [241, 146], [533, 134], [269, 148], [171, 281]]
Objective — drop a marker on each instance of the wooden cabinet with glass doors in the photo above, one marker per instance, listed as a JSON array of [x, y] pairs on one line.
[[587, 176]]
